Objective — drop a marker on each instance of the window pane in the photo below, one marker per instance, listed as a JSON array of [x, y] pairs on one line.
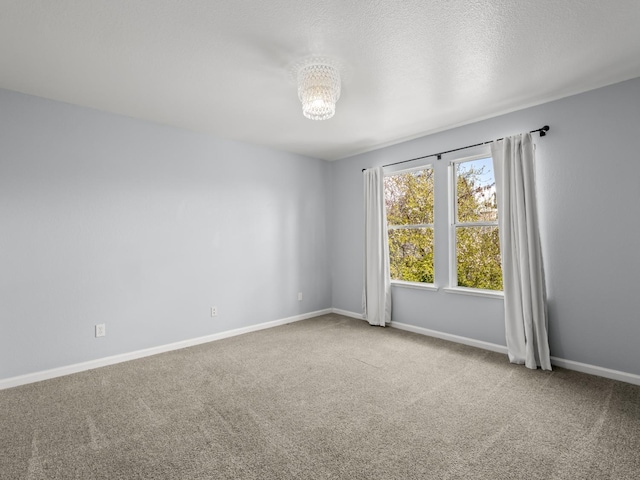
[[476, 191], [411, 254], [478, 250], [409, 198]]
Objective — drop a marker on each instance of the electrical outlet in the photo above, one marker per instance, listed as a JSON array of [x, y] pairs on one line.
[[101, 330], [214, 311], [299, 296]]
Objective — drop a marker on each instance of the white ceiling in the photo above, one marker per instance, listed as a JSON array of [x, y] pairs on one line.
[[411, 67]]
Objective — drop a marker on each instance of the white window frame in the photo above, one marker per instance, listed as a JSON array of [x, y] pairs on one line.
[[453, 215], [403, 283]]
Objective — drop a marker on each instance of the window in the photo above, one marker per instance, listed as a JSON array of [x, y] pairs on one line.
[[475, 246], [409, 203]]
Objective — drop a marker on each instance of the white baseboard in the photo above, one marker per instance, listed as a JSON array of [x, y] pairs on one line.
[[347, 313], [595, 370], [124, 357], [103, 362], [494, 347], [559, 362]]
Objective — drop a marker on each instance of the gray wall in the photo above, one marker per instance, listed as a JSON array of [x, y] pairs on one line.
[[588, 172], [105, 219], [145, 227]]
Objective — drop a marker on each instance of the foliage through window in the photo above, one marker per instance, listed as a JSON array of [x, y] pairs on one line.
[[409, 203], [475, 225]]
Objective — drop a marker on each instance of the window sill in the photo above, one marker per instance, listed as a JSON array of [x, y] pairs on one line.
[[475, 291], [416, 285]]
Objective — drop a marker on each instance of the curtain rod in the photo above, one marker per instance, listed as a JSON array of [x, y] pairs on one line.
[[543, 131]]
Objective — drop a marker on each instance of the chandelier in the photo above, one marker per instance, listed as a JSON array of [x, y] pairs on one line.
[[318, 87]]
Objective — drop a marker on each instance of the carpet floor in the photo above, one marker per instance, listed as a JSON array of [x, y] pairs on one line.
[[325, 398]]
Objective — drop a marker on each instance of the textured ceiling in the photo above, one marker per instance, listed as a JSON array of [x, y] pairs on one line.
[[411, 67]]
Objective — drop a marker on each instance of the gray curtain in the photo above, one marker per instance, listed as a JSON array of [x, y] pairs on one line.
[[522, 268], [376, 297]]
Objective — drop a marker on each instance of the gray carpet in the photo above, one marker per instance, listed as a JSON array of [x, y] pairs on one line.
[[329, 397]]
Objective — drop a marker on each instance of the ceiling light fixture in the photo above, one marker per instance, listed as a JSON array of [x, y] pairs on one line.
[[318, 87]]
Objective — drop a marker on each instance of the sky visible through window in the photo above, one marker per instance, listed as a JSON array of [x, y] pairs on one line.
[[485, 165]]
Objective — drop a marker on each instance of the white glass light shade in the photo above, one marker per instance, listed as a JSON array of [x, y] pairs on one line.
[[318, 90]]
